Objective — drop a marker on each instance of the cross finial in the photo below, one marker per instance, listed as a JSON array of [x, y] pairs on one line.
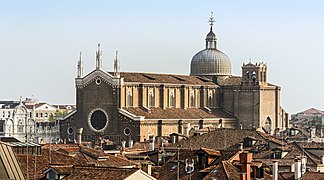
[[211, 21]]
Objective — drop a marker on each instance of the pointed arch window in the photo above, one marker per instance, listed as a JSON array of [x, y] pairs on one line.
[[210, 99], [151, 102], [172, 99], [129, 98], [192, 99]]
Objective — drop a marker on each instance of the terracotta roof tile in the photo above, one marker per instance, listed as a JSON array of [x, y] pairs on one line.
[[178, 113], [164, 78], [231, 81]]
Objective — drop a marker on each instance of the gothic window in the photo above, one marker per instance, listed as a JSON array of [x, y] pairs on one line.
[[159, 128], [180, 126], [2, 122], [151, 99], [192, 99], [210, 99], [201, 124], [129, 98], [254, 76], [20, 128], [267, 125], [172, 99]]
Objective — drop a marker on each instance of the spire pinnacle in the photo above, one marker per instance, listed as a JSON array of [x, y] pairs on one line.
[[80, 66], [116, 66], [98, 57], [211, 21]]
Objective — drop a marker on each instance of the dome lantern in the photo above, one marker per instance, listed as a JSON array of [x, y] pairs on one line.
[[210, 61]]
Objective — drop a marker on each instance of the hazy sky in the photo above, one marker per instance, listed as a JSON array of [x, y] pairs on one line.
[[40, 42]]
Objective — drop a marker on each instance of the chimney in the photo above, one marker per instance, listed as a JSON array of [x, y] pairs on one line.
[[275, 170], [147, 167], [242, 176], [79, 135], [241, 147], [246, 160], [123, 144], [151, 141], [303, 164], [297, 169]]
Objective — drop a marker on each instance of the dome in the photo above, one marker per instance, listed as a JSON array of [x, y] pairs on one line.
[[210, 62]]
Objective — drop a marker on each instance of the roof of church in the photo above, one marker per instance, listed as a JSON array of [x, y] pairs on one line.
[[178, 113], [231, 81], [164, 78]]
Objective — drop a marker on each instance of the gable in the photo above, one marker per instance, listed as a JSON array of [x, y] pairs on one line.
[[46, 107], [98, 76]]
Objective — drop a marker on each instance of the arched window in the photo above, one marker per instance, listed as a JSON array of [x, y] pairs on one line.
[[159, 128], [172, 99], [192, 99], [210, 99], [129, 98], [180, 126], [151, 100], [267, 125]]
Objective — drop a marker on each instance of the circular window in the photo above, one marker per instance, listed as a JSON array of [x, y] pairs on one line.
[[127, 131], [98, 120], [70, 130], [98, 81]]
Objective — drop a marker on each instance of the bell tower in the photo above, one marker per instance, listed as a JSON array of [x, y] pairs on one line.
[[254, 74]]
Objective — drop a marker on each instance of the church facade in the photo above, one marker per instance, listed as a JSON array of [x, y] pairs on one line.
[[123, 106]]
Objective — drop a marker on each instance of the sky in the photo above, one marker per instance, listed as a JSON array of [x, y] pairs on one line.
[[40, 42]]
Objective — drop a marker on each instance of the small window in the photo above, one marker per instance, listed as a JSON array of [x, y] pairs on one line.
[[45, 115], [41, 114], [37, 115]]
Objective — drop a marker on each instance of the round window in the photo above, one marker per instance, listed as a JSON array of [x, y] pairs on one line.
[[70, 130], [98, 120], [127, 131], [98, 81]]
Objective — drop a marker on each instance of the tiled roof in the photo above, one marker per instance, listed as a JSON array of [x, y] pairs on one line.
[[311, 111], [169, 169], [306, 176], [178, 113], [100, 173], [51, 156], [231, 81], [224, 138], [224, 171], [165, 78], [211, 151]]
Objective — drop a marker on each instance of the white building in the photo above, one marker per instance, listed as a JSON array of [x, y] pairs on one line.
[[16, 121], [30, 120]]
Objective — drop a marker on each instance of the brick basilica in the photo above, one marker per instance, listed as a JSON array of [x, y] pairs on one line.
[[123, 106]]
